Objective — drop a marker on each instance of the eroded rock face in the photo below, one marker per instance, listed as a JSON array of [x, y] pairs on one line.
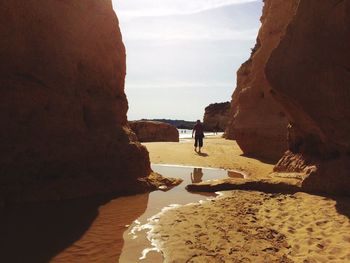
[[154, 131], [309, 72], [257, 121], [62, 104], [216, 116]]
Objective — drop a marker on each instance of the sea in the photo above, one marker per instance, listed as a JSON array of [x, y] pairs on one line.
[[187, 134]]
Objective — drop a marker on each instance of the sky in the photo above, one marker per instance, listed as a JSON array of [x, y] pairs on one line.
[[182, 55]]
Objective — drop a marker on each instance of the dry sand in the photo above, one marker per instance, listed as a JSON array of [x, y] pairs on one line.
[[243, 226], [216, 153], [248, 226]]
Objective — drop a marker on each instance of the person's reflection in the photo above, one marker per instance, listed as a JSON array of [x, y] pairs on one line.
[[196, 176]]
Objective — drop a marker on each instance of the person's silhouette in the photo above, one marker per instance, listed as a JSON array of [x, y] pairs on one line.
[[199, 135]]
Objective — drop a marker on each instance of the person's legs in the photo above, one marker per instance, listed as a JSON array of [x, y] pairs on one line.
[[200, 140], [195, 143]]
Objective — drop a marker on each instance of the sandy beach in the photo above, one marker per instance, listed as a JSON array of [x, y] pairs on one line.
[[248, 226], [216, 153]]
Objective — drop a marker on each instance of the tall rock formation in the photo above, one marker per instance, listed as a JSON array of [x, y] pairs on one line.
[[258, 123], [309, 72], [216, 116], [63, 109]]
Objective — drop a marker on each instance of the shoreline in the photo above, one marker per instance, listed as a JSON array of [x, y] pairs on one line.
[[248, 226]]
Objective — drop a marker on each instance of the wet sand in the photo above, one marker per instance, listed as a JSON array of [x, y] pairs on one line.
[[94, 229], [248, 226], [86, 230], [239, 226]]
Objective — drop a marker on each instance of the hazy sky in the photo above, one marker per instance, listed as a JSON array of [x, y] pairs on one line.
[[183, 55]]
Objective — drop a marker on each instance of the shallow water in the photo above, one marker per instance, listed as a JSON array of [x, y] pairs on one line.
[[94, 230], [135, 237]]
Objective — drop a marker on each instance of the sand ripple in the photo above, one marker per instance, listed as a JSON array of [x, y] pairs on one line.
[[246, 226]]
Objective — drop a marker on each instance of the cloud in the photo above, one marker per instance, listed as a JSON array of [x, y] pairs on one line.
[[153, 8], [178, 50], [227, 23], [196, 34], [178, 85]]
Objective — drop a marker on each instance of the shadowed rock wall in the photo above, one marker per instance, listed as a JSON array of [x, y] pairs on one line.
[[258, 123], [63, 109], [309, 72]]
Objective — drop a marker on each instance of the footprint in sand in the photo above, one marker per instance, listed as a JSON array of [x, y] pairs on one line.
[[271, 249], [310, 229], [320, 223], [165, 237], [346, 239], [320, 246]]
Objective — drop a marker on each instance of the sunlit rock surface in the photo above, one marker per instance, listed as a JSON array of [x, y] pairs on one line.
[[63, 109], [216, 116], [257, 121], [309, 72], [154, 131]]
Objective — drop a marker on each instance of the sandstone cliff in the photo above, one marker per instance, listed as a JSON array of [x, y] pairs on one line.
[[216, 116], [309, 72], [153, 131], [257, 121], [63, 109]]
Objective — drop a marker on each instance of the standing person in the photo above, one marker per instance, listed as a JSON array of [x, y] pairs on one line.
[[199, 135]]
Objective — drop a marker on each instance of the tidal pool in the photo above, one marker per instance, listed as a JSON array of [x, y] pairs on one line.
[[136, 245], [95, 230]]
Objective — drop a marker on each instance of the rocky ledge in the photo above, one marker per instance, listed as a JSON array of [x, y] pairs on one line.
[[153, 131]]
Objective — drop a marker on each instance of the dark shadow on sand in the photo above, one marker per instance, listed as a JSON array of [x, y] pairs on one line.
[[261, 159], [202, 154], [38, 232], [342, 205]]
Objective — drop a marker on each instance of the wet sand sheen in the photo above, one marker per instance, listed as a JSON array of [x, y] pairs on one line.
[[246, 226], [88, 230], [239, 224], [133, 248], [110, 238], [93, 230]]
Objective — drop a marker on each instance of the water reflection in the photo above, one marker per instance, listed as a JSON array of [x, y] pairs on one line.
[[135, 237], [95, 229], [196, 176]]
